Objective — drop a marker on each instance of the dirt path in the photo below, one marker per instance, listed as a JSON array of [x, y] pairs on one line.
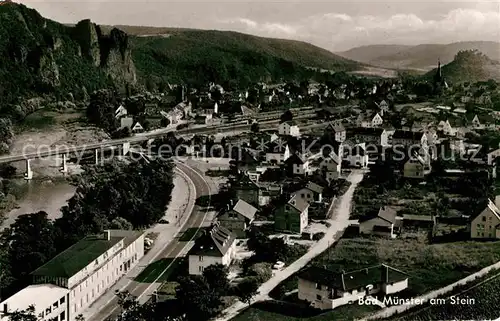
[[339, 220]]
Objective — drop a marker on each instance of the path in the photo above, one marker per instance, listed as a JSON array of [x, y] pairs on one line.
[[339, 220]]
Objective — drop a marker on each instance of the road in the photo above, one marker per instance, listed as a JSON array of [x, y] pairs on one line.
[[174, 250], [339, 222]]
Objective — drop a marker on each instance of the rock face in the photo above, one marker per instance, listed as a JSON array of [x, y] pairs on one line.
[[86, 34], [116, 58]]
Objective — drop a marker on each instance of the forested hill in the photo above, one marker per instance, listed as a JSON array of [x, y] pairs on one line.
[[469, 66], [210, 55], [40, 56]]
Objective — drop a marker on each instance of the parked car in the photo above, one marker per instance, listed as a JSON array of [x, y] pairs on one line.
[[279, 265], [163, 221]]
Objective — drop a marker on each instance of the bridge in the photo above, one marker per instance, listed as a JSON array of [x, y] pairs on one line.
[[124, 143]]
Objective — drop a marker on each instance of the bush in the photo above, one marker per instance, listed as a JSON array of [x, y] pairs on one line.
[[318, 236], [261, 271]]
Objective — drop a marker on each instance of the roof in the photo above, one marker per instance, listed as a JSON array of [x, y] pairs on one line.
[[355, 279], [245, 209], [215, 242], [314, 187], [289, 122], [385, 213], [423, 218], [493, 208], [336, 127], [366, 131], [406, 134], [77, 256], [298, 203], [41, 296]]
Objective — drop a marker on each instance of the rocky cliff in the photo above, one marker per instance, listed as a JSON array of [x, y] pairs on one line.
[[42, 57]]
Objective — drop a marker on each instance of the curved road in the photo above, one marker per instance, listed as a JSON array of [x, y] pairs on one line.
[[174, 250]]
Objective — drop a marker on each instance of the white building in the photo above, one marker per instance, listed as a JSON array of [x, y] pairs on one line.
[[120, 112], [377, 120], [50, 302], [325, 289], [446, 128], [289, 128], [217, 246], [70, 282]]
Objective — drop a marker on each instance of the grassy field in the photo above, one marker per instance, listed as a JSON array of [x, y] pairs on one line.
[[273, 311], [484, 305], [430, 266]]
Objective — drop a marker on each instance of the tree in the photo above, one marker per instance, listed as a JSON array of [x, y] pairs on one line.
[[32, 243], [247, 289], [101, 110], [197, 299], [216, 277], [120, 223], [24, 315], [286, 116], [132, 310], [255, 127]]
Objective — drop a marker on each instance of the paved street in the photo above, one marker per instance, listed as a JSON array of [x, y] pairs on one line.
[[339, 221], [107, 306]]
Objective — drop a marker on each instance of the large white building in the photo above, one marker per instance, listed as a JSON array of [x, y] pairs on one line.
[[69, 283], [217, 246]]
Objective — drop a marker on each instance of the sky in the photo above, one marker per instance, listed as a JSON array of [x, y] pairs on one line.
[[333, 25]]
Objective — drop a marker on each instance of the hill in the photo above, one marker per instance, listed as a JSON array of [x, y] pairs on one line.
[[423, 57], [210, 55], [40, 57], [470, 66]]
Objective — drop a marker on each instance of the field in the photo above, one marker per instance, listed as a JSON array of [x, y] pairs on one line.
[[274, 311], [483, 307], [429, 266]]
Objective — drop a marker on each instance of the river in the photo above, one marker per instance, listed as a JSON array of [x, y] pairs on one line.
[[36, 195]]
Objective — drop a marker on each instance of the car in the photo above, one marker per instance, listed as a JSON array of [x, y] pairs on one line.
[[163, 221], [279, 265]]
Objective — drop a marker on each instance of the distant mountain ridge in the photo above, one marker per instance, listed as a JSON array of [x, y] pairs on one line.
[[422, 57]]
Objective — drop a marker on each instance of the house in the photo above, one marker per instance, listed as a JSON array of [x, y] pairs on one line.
[[247, 190], [476, 123], [120, 112], [126, 122], [312, 192], [446, 128], [486, 225], [381, 224], [289, 128], [174, 116], [70, 282], [409, 138], [356, 155], [216, 246], [293, 216], [414, 167], [376, 120], [237, 218], [297, 165], [375, 136], [384, 107], [277, 152], [325, 289], [337, 131], [137, 128], [330, 166]]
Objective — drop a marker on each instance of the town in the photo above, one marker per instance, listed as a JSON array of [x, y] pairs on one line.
[[338, 197]]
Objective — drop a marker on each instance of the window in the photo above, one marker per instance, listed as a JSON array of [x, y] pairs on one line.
[[48, 310], [200, 268], [62, 316], [62, 300], [200, 258], [302, 195], [484, 218], [55, 305], [318, 297], [74, 308]]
